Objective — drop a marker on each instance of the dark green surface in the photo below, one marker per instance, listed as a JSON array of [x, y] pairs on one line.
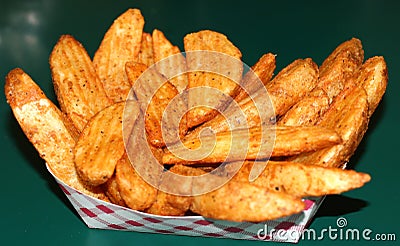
[[34, 210]]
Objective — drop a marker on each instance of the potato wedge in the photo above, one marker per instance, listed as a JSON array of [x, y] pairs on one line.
[[261, 74], [292, 83], [213, 62], [111, 190], [120, 44], [79, 90], [101, 144], [306, 112], [146, 50], [155, 95], [288, 87], [241, 201], [182, 202], [169, 61], [136, 193], [43, 124], [339, 66], [348, 115], [162, 207], [251, 144], [175, 205], [302, 180], [373, 78], [142, 155]]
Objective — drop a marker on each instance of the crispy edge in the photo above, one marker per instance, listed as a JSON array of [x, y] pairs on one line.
[[339, 66], [227, 85], [136, 193], [304, 179], [101, 145], [79, 90], [156, 104], [174, 62], [42, 123], [120, 44], [373, 77], [306, 112], [261, 73], [111, 190], [240, 201], [233, 145], [146, 50], [348, 116], [292, 83]]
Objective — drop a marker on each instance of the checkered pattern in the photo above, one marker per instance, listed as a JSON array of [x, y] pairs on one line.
[[103, 215]]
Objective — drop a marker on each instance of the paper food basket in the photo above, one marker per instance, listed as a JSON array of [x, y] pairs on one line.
[[103, 215]]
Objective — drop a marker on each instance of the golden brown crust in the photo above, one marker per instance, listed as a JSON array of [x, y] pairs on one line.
[[288, 87], [120, 44], [373, 78], [224, 79], [136, 193], [339, 66], [246, 144], [174, 64], [303, 179], [348, 115], [307, 111], [155, 94], [78, 88], [292, 84], [111, 190], [262, 72], [42, 123], [162, 207], [146, 50], [241, 201], [101, 144]]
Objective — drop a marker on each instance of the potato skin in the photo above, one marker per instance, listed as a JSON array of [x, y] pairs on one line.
[[46, 128], [340, 66], [239, 201], [303, 179], [135, 192], [79, 90], [348, 115]]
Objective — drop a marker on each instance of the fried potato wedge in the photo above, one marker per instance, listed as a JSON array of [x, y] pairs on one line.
[[155, 94], [252, 143], [373, 78], [181, 202], [79, 90], [241, 201], [162, 207], [348, 116], [339, 66], [146, 50], [292, 83], [306, 112], [101, 144], [336, 73], [111, 190], [169, 61], [217, 67], [262, 71], [288, 87], [120, 44], [136, 193], [303, 180], [44, 125]]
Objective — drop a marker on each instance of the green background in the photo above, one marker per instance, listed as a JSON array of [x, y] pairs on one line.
[[35, 211]]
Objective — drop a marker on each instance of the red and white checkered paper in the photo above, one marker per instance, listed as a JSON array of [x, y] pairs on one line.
[[103, 215]]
